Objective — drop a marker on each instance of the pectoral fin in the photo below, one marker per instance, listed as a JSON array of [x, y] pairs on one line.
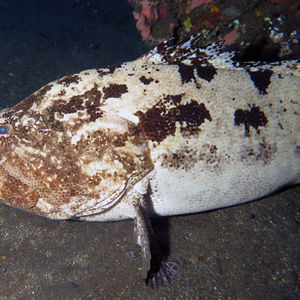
[[157, 270]]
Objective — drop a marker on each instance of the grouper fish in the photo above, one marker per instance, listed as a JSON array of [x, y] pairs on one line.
[[180, 130]]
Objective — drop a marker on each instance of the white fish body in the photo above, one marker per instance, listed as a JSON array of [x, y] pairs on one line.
[[190, 127]]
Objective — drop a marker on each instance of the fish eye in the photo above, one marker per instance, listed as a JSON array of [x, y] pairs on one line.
[[5, 129]]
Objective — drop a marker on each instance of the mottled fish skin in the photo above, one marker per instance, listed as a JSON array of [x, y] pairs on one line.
[[194, 128]]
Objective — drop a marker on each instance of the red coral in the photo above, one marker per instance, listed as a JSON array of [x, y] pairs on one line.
[[142, 26], [148, 16], [148, 10], [145, 18]]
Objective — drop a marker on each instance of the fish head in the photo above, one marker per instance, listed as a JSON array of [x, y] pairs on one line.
[[61, 156]]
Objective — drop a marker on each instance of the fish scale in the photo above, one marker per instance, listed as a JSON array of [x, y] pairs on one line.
[[182, 129]]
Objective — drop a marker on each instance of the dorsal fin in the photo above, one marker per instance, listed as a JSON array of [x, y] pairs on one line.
[[188, 51], [213, 55]]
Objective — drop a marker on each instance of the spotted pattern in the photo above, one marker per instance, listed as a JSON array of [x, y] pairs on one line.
[[26, 104], [186, 158], [89, 101], [214, 131], [109, 70], [262, 152], [66, 81], [159, 122], [253, 117], [261, 80], [115, 91], [146, 80]]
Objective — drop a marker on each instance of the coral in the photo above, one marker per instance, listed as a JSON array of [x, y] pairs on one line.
[[187, 24], [150, 13], [231, 37], [142, 26], [162, 9], [145, 18], [157, 19], [192, 4], [148, 10]]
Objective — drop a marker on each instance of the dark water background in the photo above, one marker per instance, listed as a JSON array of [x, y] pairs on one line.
[[250, 251]]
